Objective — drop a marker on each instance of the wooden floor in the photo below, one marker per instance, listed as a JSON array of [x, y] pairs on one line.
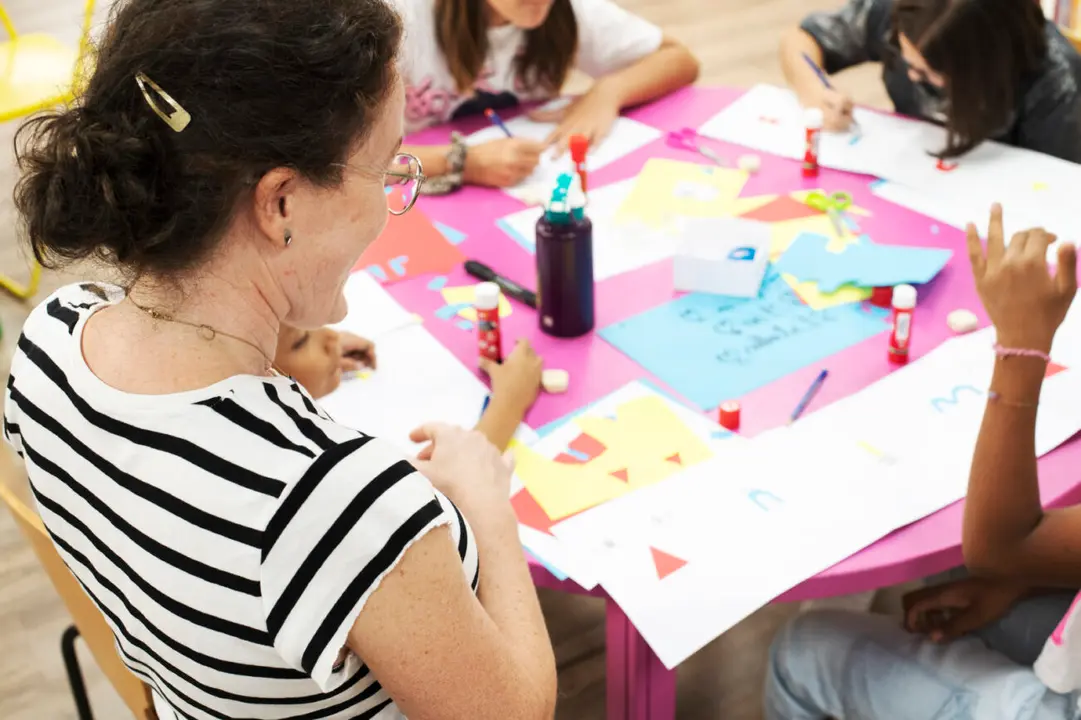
[[736, 41]]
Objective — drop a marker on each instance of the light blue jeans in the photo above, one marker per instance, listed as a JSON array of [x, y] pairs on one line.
[[859, 666]]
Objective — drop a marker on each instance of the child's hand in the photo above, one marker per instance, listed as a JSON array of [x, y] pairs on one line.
[[357, 352], [591, 115], [948, 611], [517, 380], [501, 163]]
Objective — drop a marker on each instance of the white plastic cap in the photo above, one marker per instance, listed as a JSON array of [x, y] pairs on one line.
[[813, 118], [486, 296], [576, 197], [904, 297]]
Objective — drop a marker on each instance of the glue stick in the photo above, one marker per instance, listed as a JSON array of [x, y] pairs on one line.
[[904, 303], [812, 123], [489, 339]]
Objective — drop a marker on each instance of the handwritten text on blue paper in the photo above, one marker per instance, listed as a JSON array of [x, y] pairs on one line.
[[711, 348]]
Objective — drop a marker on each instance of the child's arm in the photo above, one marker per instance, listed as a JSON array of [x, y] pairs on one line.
[[515, 384], [666, 70], [1006, 531]]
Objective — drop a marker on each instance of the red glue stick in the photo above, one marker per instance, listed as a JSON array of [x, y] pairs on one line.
[[579, 145], [812, 122], [489, 339], [904, 303]]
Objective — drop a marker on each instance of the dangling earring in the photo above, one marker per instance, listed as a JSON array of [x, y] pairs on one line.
[[288, 236]]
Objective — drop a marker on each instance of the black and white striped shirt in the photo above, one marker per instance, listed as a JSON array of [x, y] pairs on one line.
[[230, 535]]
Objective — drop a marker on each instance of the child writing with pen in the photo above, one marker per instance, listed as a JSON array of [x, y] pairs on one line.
[[1005, 642], [984, 69], [318, 360], [462, 57]]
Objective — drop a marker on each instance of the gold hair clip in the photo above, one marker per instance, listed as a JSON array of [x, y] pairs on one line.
[[178, 119]]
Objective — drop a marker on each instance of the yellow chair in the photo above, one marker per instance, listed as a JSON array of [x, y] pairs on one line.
[[89, 622], [37, 72], [1072, 35]]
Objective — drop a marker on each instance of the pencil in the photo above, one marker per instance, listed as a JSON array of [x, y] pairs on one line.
[[497, 121]]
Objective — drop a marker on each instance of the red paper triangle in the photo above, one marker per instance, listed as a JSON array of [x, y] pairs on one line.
[[675, 459], [620, 474], [666, 564], [530, 513], [783, 208], [588, 445], [1053, 369], [413, 237]]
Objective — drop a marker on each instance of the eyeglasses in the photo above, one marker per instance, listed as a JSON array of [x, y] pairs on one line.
[[402, 183]]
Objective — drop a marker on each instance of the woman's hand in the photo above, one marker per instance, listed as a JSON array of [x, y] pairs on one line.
[[501, 163], [357, 352], [517, 380], [463, 465], [946, 612], [591, 115], [1025, 302]]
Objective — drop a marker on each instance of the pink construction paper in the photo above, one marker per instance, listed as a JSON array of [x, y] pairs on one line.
[[597, 368]]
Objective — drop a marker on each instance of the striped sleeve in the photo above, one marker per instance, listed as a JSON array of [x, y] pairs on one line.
[[332, 538]]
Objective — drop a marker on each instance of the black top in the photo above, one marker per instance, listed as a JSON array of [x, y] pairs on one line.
[[1048, 115]]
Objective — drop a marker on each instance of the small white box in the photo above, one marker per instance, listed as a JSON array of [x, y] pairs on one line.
[[722, 256]]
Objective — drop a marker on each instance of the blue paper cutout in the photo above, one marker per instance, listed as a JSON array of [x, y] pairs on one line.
[[398, 265], [711, 348], [376, 272], [556, 572], [449, 311], [437, 283], [465, 324], [454, 237], [863, 264], [529, 244], [721, 434], [741, 253]]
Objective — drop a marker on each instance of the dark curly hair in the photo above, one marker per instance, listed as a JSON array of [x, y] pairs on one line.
[[274, 83]]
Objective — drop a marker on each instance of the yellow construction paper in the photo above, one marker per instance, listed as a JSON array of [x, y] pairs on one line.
[[464, 295], [818, 300], [669, 188], [638, 443]]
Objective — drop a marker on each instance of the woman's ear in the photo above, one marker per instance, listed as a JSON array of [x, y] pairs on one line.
[[272, 205]]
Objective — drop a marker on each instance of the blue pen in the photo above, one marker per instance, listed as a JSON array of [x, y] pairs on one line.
[[487, 399], [808, 396], [497, 121], [826, 82]]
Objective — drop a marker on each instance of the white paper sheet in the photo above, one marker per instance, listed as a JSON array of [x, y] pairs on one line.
[[418, 381], [617, 248], [372, 311], [626, 136]]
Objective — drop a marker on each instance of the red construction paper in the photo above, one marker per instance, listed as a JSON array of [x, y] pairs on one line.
[[409, 246]]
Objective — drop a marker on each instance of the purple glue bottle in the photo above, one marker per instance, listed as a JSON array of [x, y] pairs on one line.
[[564, 252]]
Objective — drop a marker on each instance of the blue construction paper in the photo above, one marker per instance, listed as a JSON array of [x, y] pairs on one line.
[[529, 244], [454, 237], [437, 283], [465, 324], [449, 311], [863, 264], [556, 573], [711, 348]]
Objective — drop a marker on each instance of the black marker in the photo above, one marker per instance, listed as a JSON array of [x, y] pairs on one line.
[[510, 288]]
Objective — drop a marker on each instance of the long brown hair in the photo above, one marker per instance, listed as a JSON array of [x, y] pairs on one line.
[[462, 35], [983, 49]]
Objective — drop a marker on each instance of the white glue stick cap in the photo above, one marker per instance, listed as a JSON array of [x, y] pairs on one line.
[[486, 296], [576, 197], [813, 118], [904, 297]]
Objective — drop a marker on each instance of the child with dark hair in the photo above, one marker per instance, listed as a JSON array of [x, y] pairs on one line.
[[984, 69], [462, 57]]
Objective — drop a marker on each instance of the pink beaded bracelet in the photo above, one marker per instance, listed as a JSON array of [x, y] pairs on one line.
[[1021, 352]]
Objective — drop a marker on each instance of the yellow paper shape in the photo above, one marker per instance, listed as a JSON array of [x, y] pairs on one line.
[[669, 188], [818, 300], [640, 445], [464, 295]]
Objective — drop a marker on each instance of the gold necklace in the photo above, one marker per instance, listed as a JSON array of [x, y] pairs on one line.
[[206, 332]]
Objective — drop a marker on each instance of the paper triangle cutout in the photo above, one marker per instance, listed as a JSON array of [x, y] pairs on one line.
[[620, 475], [666, 564], [1053, 369], [529, 513], [783, 208], [675, 458]]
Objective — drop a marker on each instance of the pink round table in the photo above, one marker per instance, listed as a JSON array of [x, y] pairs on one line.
[[639, 686]]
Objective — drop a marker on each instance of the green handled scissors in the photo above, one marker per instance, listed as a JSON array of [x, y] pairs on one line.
[[833, 205]]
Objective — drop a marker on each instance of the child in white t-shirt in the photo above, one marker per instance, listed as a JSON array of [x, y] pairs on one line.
[[985, 647], [462, 57]]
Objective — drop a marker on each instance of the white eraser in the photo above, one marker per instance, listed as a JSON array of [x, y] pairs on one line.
[[555, 381], [962, 321], [750, 163]]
